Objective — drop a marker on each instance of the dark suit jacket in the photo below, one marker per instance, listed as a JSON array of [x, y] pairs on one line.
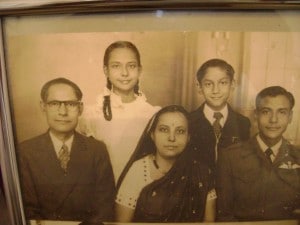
[[203, 140], [250, 188], [85, 192]]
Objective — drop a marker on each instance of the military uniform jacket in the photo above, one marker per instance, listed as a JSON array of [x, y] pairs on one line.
[[249, 187], [85, 193], [203, 140]]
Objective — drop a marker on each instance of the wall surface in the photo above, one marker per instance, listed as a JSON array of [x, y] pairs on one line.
[[42, 49]]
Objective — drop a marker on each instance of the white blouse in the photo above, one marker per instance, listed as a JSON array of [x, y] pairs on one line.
[[135, 180], [123, 132]]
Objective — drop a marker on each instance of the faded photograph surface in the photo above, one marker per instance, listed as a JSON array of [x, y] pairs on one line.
[[156, 125]]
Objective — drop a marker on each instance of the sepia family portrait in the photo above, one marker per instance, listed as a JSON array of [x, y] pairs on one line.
[[155, 126]]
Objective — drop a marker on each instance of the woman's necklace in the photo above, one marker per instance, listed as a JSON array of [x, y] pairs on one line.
[[157, 166]]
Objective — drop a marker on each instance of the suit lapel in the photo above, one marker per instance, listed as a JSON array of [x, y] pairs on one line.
[[47, 161], [230, 120], [62, 184], [282, 153], [78, 160], [202, 121], [259, 152]]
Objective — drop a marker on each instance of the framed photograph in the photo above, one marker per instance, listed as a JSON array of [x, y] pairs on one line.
[[69, 44]]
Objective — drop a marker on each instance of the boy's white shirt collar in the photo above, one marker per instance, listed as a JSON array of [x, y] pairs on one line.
[[209, 114], [58, 143], [264, 147]]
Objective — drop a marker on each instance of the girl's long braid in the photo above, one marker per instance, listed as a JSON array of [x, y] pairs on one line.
[[118, 44], [106, 103], [136, 89]]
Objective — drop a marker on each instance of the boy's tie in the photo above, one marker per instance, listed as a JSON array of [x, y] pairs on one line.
[[216, 125], [217, 129], [64, 157]]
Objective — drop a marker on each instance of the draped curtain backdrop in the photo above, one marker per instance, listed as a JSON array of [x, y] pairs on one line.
[[170, 61], [260, 59]]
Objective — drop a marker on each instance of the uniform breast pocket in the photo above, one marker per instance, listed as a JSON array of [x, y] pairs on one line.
[[290, 176]]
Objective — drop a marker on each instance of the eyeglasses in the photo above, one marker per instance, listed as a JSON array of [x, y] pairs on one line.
[[70, 105]]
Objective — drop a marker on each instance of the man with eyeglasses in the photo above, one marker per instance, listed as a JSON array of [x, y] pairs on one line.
[[64, 175]]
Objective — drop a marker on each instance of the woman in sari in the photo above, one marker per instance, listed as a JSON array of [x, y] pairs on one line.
[[164, 181]]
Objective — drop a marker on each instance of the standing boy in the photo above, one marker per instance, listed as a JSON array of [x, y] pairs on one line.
[[260, 179], [64, 175], [214, 125]]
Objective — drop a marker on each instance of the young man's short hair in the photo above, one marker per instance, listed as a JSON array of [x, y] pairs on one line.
[[222, 64], [274, 91]]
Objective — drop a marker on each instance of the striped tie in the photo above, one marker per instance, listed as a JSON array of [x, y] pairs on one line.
[[216, 125], [268, 153], [64, 157]]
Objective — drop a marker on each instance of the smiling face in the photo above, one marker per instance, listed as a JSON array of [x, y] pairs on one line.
[[170, 135], [61, 120], [216, 86], [273, 116], [123, 70]]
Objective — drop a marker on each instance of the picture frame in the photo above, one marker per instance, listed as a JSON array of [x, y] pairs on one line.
[[27, 25]]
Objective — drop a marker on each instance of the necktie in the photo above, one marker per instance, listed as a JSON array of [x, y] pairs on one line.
[[216, 125], [268, 153], [64, 157]]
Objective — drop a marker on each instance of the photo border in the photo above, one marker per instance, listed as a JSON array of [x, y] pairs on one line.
[[7, 146]]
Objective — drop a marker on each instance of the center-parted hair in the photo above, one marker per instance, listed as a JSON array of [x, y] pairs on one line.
[[274, 91], [168, 109], [118, 44], [219, 63], [60, 80], [146, 145]]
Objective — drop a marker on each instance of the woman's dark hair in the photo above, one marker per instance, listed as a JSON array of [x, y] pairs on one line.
[[118, 44], [167, 109], [146, 145]]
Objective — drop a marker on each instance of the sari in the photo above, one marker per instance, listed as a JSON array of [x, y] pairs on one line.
[[178, 196]]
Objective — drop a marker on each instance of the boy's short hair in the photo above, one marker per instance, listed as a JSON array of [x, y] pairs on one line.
[[215, 63], [274, 91]]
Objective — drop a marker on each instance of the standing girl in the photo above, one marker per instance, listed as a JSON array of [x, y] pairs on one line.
[[121, 112]]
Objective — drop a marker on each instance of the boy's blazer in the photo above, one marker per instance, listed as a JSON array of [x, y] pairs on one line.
[[85, 192], [236, 129]]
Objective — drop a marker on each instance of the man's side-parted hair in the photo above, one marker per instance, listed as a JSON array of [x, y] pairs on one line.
[[60, 80], [274, 91], [220, 63]]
